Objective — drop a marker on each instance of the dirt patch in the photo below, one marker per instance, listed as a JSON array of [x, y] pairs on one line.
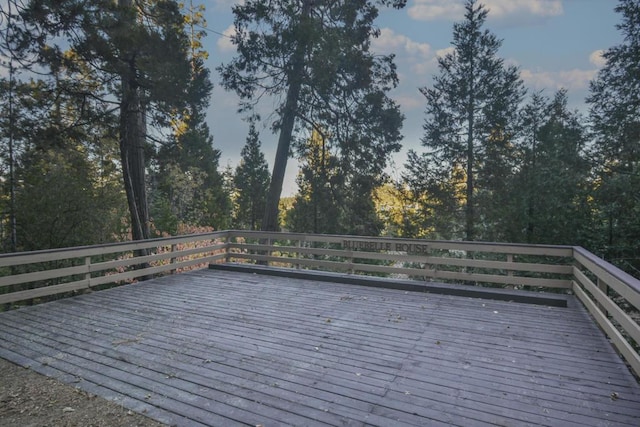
[[28, 399]]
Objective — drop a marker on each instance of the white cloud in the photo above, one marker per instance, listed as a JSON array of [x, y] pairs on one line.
[[391, 42], [597, 59], [441, 53], [418, 56], [430, 10], [542, 8], [569, 79], [224, 42]]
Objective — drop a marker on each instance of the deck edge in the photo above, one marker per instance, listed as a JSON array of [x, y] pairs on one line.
[[524, 297]]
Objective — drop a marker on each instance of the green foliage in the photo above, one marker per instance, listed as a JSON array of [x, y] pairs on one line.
[[434, 199], [187, 187], [549, 192], [63, 202], [332, 198], [121, 56], [315, 57], [615, 118], [67, 183], [469, 128], [251, 181], [315, 208]]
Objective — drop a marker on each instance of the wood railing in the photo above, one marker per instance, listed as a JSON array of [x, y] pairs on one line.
[[468, 262], [608, 293], [30, 275]]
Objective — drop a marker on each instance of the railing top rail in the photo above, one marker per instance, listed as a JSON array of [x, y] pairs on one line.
[[17, 258], [310, 236], [610, 269]]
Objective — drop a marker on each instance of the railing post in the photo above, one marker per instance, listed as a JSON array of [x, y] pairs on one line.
[[298, 246], [351, 270], [87, 275], [173, 259], [604, 288], [510, 272], [227, 249]]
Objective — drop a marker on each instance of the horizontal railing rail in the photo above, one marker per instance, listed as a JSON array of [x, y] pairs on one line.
[[478, 262], [610, 295], [30, 275]]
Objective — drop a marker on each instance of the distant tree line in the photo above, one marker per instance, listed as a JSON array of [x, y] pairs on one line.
[[104, 135]]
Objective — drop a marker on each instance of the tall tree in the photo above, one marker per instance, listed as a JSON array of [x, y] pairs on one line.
[[309, 54], [187, 165], [615, 119], [136, 53], [434, 197], [548, 201], [315, 208], [67, 188], [251, 181], [471, 112]]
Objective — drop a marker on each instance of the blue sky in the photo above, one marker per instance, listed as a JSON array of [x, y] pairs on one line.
[[555, 43]]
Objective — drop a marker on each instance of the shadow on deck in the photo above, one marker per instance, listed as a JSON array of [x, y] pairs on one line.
[[223, 348]]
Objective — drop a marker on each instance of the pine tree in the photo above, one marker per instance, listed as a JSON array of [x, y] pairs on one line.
[[251, 182], [549, 200], [135, 55], [67, 188], [315, 207], [471, 117], [315, 57], [615, 119], [190, 151]]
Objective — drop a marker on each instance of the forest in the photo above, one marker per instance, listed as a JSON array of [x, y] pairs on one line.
[[104, 135]]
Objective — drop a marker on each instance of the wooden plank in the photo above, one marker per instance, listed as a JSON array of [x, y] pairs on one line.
[[397, 257], [434, 274], [42, 275], [106, 265], [234, 378], [542, 298], [427, 272], [44, 291], [523, 249], [246, 347], [561, 368], [20, 258], [133, 274]]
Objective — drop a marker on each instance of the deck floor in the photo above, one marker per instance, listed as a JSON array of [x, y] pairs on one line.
[[221, 348]]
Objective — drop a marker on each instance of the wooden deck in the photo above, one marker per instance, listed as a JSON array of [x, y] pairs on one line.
[[223, 348]]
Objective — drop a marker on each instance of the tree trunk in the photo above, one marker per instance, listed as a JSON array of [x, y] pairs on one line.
[[469, 213], [270, 219], [132, 140]]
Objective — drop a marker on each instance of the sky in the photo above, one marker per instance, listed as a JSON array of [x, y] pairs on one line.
[[555, 44]]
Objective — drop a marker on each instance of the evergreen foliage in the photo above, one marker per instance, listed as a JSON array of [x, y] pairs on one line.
[[615, 119], [251, 181], [549, 200], [315, 57], [315, 208], [469, 126], [135, 57]]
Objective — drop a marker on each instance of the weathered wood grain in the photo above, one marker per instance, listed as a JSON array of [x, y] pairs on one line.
[[224, 348]]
